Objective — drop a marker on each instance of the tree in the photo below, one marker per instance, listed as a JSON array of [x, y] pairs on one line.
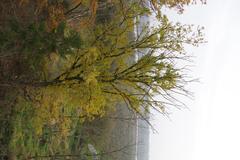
[[96, 74], [105, 62], [176, 4]]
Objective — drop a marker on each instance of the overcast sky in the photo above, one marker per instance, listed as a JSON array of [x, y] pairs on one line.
[[211, 129]]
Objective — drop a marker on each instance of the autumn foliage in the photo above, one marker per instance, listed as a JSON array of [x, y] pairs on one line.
[[79, 64]]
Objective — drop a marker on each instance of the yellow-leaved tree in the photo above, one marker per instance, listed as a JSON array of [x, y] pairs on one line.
[[78, 75]]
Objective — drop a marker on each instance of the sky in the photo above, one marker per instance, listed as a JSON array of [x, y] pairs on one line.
[[210, 128]]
